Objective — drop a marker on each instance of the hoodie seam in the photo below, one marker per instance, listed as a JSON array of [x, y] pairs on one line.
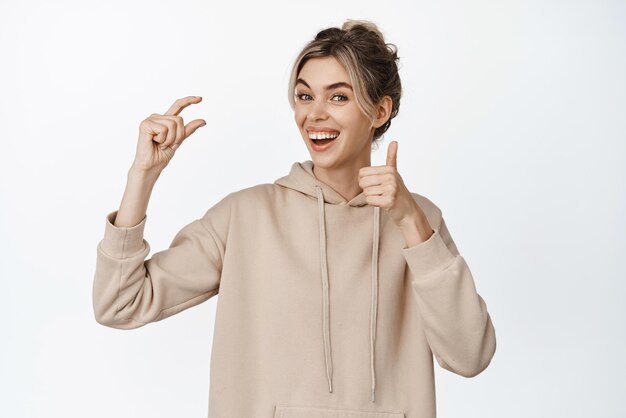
[[216, 240]]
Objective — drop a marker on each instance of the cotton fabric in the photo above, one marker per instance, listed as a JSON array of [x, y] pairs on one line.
[[323, 311]]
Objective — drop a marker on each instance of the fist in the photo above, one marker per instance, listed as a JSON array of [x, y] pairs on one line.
[[383, 187]]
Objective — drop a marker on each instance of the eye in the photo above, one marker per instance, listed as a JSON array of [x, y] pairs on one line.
[[299, 96]]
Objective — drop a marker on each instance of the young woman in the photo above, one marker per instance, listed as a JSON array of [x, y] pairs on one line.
[[329, 306]]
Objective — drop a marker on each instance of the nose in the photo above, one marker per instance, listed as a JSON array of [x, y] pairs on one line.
[[317, 111]]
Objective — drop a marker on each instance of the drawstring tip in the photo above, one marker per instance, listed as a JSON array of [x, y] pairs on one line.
[[330, 386], [372, 394]]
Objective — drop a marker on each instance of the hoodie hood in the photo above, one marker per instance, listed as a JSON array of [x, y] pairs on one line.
[[302, 179]]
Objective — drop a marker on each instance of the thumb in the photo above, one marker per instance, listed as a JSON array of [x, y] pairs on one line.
[[392, 152]]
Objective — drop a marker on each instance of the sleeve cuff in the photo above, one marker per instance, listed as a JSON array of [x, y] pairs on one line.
[[429, 256], [122, 242]]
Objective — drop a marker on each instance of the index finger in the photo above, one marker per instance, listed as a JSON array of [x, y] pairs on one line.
[[180, 104]]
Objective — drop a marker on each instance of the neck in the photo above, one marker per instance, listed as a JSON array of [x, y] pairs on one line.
[[344, 178]]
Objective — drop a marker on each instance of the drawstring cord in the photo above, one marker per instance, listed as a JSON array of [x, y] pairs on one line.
[[326, 298], [374, 307], [325, 295]]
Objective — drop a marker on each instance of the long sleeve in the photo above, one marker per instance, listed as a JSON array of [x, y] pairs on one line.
[[457, 324], [129, 292]]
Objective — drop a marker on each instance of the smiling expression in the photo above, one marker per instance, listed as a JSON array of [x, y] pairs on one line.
[[325, 101]]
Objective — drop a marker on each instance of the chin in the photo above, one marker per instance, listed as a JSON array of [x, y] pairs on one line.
[[325, 161]]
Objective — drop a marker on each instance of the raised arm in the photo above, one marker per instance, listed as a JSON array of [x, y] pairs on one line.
[[129, 291]]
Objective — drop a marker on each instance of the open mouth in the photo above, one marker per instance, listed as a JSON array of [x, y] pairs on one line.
[[325, 140]]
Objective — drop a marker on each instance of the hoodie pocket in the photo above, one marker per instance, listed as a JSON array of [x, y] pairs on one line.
[[292, 411]]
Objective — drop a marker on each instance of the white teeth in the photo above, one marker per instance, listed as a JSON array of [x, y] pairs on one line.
[[322, 135]]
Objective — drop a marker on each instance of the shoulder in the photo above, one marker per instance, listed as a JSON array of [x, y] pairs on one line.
[[252, 199], [244, 203], [425, 203], [253, 194]]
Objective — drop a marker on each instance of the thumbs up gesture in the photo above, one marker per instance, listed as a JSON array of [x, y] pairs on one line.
[[384, 187]]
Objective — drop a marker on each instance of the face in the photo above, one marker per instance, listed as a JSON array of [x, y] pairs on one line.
[[324, 101]]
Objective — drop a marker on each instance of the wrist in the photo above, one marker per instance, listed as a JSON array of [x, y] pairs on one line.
[[416, 229], [140, 174]]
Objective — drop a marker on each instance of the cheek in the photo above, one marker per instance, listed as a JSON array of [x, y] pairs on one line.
[[351, 117], [299, 116], [357, 126]]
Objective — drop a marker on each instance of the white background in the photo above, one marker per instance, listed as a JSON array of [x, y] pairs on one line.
[[512, 121]]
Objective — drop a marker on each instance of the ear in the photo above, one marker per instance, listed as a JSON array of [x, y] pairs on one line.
[[383, 111]]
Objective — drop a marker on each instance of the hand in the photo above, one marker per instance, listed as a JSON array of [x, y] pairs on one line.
[[160, 135], [384, 187]]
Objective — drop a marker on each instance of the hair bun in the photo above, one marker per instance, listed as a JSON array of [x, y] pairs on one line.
[[352, 24]]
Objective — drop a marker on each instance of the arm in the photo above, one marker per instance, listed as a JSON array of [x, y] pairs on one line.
[[139, 185], [129, 292], [457, 324]]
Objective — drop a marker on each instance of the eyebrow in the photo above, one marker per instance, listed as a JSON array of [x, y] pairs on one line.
[[329, 87]]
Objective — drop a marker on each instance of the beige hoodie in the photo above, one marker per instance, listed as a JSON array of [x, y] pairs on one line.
[[322, 311]]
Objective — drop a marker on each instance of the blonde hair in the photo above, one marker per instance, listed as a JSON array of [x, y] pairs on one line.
[[371, 64]]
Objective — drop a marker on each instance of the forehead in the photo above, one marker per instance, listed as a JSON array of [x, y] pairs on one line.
[[321, 71]]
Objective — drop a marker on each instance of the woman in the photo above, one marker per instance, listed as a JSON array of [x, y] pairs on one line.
[[328, 307]]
